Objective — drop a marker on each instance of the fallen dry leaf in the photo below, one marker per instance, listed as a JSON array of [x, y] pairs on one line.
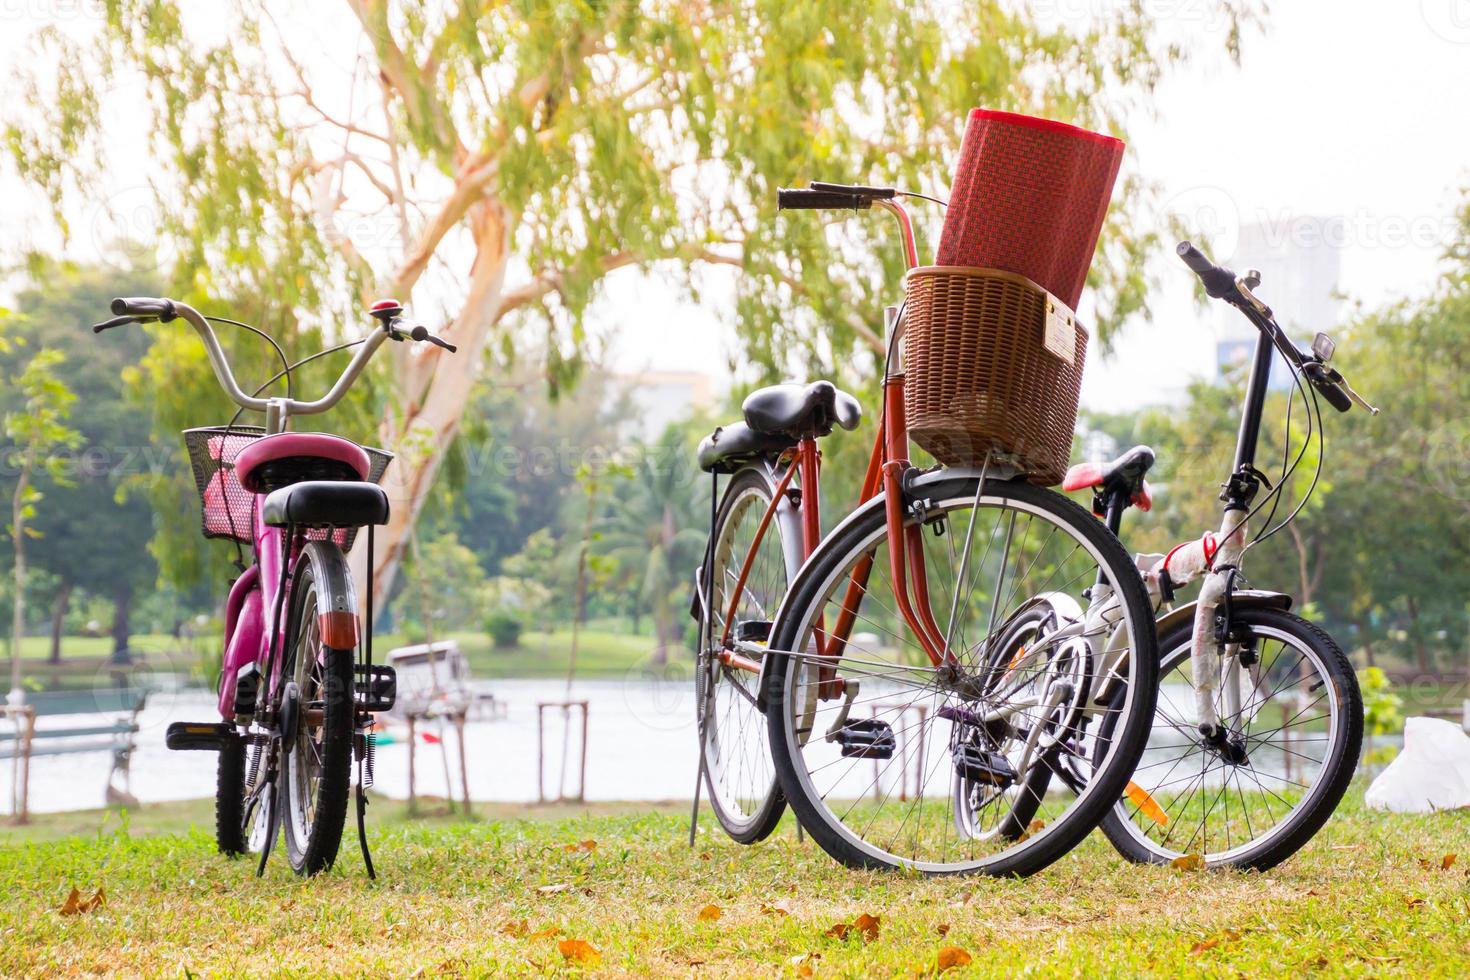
[[586, 845], [546, 933], [1036, 826], [867, 925], [1447, 862], [942, 928], [803, 963], [553, 889], [1413, 903], [75, 904], [951, 957], [710, 913], [1224, 936], [1188, 862], [579, 951], [839, 930], [705, 855], [782, 907], [515, 928]]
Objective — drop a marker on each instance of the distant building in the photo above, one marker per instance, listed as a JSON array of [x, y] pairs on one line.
[[663, 397], [1300, 262]]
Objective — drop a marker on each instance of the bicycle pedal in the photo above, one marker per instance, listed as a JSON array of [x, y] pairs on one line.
[[753, 631], [198, 736], [867, 738], [980, 766], [376, 687]]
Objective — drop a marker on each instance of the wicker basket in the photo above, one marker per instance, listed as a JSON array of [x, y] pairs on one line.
[[228, 509], [993, 363]]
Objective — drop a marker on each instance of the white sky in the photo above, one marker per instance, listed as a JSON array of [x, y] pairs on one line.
[[1352, 108]]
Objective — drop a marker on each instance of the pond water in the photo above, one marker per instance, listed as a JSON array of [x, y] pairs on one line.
[[640, 746]]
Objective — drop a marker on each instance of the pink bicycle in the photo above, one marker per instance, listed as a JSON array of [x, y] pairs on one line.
[[297, 688]]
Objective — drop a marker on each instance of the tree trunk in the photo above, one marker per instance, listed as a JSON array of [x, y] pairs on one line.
[[1367, 641], [1421, 652], [58, 620], [433, 388], [122, 599], [18, 545]]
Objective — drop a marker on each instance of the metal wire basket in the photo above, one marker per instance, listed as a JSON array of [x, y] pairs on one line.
[[227, 508], [993, 364]]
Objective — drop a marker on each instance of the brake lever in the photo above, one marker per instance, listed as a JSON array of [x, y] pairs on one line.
[[117, 321], [421, 332], [1357, 398]]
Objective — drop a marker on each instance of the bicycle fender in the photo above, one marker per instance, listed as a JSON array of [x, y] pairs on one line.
[[336, 596], [1239, 599]]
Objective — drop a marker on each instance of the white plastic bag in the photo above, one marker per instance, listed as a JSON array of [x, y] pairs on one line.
[[1431, 773]]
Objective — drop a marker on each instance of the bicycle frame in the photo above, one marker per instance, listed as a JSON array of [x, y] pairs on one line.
[[888, 464]]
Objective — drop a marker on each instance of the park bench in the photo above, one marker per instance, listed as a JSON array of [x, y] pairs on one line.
[[25, 740]]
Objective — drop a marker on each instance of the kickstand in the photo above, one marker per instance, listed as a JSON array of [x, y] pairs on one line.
[[698, 785], [362, 802], [273, 817]]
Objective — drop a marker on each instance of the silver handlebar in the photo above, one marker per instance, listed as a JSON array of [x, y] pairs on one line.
[[273, 407]]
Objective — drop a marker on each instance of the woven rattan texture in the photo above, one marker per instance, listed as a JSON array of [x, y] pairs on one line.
[[1029, 200], [978, 376]]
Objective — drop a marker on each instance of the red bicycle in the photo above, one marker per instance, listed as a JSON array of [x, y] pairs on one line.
[[911, 682]]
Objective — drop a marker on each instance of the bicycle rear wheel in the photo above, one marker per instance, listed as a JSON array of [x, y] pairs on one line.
[[317, 764], [931, 768], [1299, 729], [739, 775]]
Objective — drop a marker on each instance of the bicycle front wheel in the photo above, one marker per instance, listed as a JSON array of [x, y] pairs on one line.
[[890, 760], [739, 775], [1294, 724]]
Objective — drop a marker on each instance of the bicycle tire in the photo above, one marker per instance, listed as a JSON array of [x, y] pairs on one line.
[[312, 849], [750, 487], [229, 799], [823, 573], [1339, 763]]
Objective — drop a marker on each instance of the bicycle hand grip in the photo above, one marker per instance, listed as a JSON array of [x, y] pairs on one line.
[[1327, 386], [1219, 283], [149, 306], [804, 199]]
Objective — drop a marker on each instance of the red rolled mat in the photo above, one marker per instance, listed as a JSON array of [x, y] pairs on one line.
[[1029, 197]]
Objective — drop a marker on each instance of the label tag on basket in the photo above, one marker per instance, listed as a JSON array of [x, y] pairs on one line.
[[1061, 330]]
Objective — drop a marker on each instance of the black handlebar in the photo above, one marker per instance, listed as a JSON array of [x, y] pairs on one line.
[[145, 306], [803, 199]]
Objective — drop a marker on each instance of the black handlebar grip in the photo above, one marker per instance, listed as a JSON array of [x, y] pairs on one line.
[[1335, 396], [1219, 283], [803, 199], [151, 306]]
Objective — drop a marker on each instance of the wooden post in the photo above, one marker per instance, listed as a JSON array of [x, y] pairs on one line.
[[582, 776], [464, 770], [541, 753], [412, 806]]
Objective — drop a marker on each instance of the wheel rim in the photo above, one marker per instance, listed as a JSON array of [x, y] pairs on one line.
[[305, 758], [740, 774], [1290, 734], [929, 829]]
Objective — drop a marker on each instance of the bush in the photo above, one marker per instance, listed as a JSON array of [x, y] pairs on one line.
[[504, 629]]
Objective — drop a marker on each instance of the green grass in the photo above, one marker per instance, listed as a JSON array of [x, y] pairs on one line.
[[1356, 900], [540, 654]]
